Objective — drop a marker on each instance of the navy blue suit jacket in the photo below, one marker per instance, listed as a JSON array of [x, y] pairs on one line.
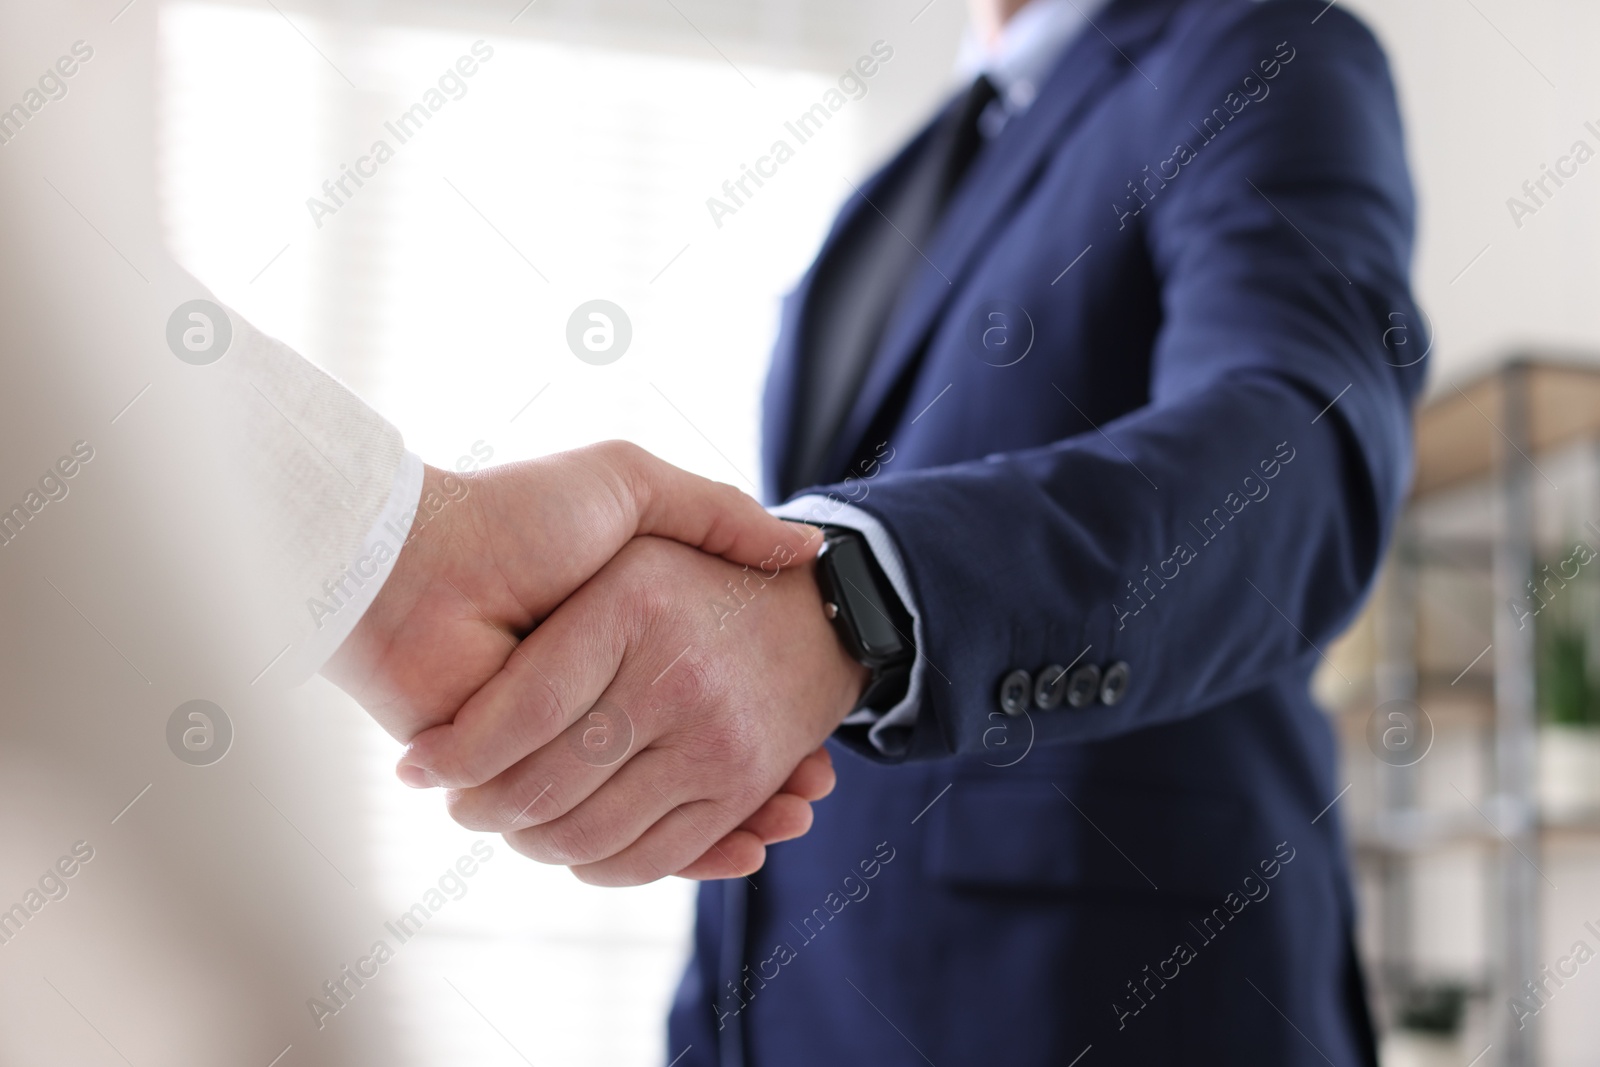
[[1203, 225]]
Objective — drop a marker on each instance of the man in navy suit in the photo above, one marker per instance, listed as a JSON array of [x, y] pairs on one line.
[[1113, 406], [1090, 390]]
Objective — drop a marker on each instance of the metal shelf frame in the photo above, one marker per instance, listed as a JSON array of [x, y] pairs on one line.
[[1484, 432]]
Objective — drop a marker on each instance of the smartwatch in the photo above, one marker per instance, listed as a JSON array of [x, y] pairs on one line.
[[867, 614]]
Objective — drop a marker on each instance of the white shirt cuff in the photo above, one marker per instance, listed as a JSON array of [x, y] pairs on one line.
[[345, 597], [889, 731]]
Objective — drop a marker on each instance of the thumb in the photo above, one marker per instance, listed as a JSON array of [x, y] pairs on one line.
[[716, 518]]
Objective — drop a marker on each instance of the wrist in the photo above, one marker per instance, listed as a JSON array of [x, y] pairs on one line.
[[848, 678], [418, 560], [867, 615]]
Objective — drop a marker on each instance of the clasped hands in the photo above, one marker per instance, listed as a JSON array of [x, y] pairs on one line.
[[620, 666]]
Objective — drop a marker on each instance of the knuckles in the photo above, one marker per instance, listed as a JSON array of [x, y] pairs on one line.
[[624, 456], [630, 465], [569, 841], [459, 759], [736, 743], [540, 717], [468, 809], [689, 686]]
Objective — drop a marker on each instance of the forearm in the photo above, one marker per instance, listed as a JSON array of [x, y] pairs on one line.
[[1207, 543]]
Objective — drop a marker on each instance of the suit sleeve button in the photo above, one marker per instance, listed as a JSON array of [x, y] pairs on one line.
[[1114, 686], [1050, 687], [1015, 689], [1083, 686]]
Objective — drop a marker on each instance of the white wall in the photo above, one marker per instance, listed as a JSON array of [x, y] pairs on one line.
[[1492, 91]]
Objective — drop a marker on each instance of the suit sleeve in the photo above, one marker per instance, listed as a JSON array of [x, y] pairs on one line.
[[1223, 533]]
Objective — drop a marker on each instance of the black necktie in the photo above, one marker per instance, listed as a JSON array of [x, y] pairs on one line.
[[857, 285]]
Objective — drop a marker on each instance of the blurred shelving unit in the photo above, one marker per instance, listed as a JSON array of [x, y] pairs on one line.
[[1440, 723]]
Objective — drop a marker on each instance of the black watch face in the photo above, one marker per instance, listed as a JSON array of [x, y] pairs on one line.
[[862, 599]]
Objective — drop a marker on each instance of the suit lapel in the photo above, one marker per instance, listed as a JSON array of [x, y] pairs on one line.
[[783, 394], [989, 193]]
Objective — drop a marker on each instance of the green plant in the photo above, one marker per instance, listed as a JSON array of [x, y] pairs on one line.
[[1433, 1008], [1564, 604], [1566, 693]]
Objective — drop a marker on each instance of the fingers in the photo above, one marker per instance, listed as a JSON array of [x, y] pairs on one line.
[[703, 767], [782, 818], [639, 795], [523, 707], [670, 845], [528, 795], [714, 517], [814, 778], [556, 778], [632, 831], [738, 855]]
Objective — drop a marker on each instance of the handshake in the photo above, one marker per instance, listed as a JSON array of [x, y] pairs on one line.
[[557, 648]]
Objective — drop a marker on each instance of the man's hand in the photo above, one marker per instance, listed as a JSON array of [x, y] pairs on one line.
[[712, 681], [491, 554]]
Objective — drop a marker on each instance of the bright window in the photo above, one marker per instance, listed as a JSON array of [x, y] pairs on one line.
[[440, 289]]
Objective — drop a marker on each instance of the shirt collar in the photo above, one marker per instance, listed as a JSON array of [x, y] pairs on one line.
[[1027, 49]]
